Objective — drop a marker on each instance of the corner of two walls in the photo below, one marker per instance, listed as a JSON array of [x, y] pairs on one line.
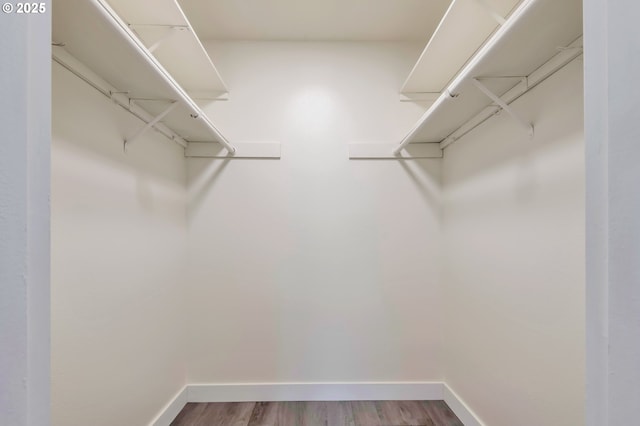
[[314, 268], [307, 269], [118, 224], [514, 235]]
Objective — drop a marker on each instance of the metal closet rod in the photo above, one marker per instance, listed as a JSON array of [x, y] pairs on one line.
[[451, 90], [126, 33], [127, 106]]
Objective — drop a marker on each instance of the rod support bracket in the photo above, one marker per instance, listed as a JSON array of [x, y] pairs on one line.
[[505, 107], [150, 124]]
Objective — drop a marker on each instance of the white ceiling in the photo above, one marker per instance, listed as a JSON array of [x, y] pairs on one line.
[[325, 20]]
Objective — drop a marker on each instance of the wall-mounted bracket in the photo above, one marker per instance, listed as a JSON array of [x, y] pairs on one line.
[[491, 11], [170, 30], [208, 95], [113, 93], [150, 124], [167, 34], [419, 96], [495, 98]]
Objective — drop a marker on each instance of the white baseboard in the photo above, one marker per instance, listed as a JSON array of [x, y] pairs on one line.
[[314, 391], [379, 391], [460, 409], [172, 409]]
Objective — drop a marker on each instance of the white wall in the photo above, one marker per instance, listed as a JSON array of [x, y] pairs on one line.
[[118, 255], [24, 219], [514, 270], [314, 268], [612, 100]]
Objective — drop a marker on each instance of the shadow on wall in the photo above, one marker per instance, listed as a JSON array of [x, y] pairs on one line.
[[516, 147], [426, 181], [108, 125], [205, 176]]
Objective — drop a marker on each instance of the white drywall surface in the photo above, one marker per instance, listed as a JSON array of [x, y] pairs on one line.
[[24, 219], [612, 100], [118, 253], [314, 268], [514, 235]]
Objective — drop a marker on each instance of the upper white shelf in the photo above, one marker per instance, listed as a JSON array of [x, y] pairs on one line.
[[463, 29], [526, 43], [163, 26], [92, 34], [102, 49]]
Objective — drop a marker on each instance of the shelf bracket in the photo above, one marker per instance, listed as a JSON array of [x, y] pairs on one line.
[[419, 96], [170, 31], [491, 11], [484, 89], [208, 95], [150, 124]]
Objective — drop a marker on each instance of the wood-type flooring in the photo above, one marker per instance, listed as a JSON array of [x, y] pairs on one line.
[[315, 413]]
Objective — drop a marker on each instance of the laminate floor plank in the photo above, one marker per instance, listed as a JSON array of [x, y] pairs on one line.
[[403, 413], [277, 414], [339, 413], [189, 414], [365, 413], [290, 413], [233, 414], [211, 413], [318, 413], [315, 413], [441, 414], [264, 414]]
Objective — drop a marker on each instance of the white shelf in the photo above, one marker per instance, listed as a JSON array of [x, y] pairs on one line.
[[464, 28], [90, 38], [179, 49], [101, 48], [527, 44], [85, 33]]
